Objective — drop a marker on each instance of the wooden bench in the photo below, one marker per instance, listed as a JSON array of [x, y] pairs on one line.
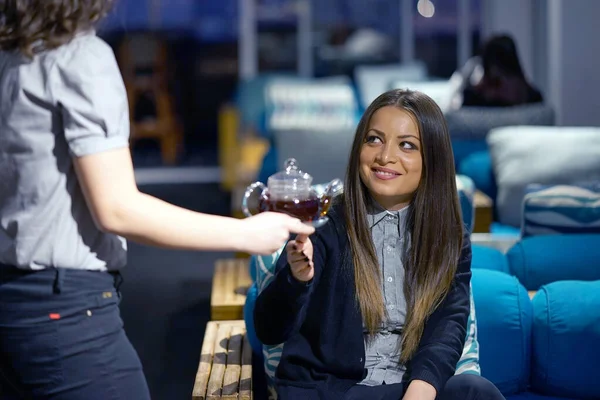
[[225, 369], [484, 212], [230, 284]]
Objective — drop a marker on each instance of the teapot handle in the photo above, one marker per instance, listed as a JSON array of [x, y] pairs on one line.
[[325, 201], [334, 186], [249, 190]]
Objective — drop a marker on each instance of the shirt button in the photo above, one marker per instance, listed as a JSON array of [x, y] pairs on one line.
[[390, 248], [391, 306], [390, 279]]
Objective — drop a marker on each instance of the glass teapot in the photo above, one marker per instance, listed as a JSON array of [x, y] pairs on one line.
[[290, 192]]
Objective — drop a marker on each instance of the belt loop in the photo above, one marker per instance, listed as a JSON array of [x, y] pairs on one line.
[[58, 282], [118, 281]]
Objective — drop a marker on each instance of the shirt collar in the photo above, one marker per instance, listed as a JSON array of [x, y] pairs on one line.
[[376, 213]]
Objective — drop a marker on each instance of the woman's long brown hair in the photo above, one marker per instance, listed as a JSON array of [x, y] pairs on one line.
[[434, 223], [33, 26]]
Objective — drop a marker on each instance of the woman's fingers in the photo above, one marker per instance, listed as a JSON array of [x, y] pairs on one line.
[[301, 239], [304, 272], [303, 267], [297, 257]]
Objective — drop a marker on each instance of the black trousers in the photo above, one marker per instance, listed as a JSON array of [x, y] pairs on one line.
[[458, 387], [62, 337]]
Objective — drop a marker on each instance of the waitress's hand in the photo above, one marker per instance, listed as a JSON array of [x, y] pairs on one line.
[[266, 232], [300, 258]]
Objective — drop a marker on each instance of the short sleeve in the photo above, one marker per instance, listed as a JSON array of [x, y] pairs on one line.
[[88, 88]]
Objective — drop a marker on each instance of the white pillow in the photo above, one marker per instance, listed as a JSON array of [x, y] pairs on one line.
[[522, 155]]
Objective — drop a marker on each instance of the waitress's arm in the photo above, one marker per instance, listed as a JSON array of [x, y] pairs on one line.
[[108, 183]]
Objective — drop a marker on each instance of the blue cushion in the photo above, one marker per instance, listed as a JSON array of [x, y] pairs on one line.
[[504, 317], [540, 260], [263, 274], [498, 229], [489, 258], [477, 166], [252, 268], [552, 209], [249, 320], [566, 339], [464, 149]]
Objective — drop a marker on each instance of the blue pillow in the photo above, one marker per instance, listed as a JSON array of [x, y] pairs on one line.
[[566, 340], [249, 320], [478, 166], [539, 260], [504, 318], [488, 258], [497, 229], [561, 209]]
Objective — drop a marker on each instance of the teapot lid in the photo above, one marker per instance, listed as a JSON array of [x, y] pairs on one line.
[[291, 174]]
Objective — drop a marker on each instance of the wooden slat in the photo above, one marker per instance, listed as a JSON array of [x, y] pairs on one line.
[[246, 374], [231, 380], [206, 358], [215, 382]]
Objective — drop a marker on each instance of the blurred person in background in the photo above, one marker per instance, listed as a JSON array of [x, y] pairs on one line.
[[499, 80]]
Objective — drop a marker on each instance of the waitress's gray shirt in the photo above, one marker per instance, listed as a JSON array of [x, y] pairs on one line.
[[64, 103]]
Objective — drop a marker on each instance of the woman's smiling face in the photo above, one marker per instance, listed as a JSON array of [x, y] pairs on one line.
[[390, 159]]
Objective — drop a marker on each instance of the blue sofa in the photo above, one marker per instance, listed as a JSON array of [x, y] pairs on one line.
[[544, 348]]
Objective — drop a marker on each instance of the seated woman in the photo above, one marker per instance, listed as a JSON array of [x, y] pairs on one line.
[[503, 82], [375, 304]]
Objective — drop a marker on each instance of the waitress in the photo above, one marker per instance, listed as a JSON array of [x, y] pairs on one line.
[[69, 202]]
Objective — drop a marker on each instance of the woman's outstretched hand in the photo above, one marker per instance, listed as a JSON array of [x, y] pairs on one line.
[[300, 258], [266, 232]]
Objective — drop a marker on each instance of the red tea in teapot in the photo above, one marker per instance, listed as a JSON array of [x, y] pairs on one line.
[[305, 210]]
